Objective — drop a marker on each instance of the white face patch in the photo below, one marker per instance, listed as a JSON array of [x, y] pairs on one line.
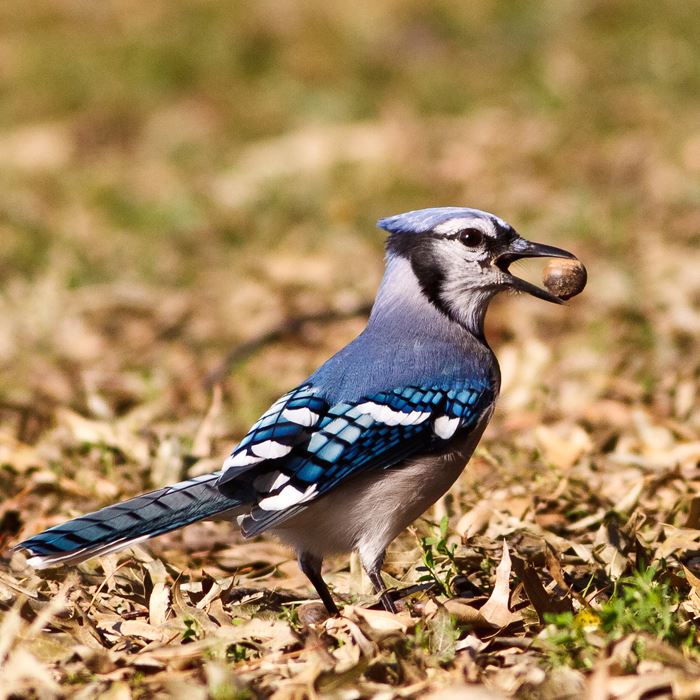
[[301, 416], [469, 281], [287, 497], [454, 255], [386, 415], [452, 227], [445, 427]]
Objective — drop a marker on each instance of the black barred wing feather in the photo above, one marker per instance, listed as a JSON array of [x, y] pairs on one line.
[[311, 457], [289, 421]]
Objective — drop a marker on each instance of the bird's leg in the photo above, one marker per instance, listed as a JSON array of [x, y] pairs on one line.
[[311, 566], [374, 571]]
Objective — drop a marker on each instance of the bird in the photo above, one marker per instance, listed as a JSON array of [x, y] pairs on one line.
[[370, 440]]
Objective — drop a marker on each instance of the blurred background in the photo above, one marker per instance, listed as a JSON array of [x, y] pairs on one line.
[[180, 178]]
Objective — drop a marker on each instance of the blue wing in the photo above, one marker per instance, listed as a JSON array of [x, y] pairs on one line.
[[302, 447], [289, 421]]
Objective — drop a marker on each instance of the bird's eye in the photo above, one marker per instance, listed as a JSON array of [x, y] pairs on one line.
[[471, 237]]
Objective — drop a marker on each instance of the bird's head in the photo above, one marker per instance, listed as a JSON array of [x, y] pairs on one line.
[[461, 258]]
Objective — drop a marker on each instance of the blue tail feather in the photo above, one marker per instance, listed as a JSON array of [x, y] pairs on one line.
[[124, 524]]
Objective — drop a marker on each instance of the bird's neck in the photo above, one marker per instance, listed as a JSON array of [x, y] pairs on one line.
[[408, 341], [401, 306]]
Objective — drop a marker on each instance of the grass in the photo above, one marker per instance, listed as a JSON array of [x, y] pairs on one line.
[[642, 607], [439, 559]]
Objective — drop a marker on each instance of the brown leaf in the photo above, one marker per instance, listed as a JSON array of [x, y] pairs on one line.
[[691, 578], [132, 628], [563, 445], [541, 600], [379, 621], [475, 520], [677, 540], [693, 519], [495, 610], [467, 615], [554, 567]]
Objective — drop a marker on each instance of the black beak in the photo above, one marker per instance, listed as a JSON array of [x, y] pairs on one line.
[[519, 249]]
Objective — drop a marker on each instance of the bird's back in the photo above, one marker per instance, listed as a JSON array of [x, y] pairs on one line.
[[407, 342]]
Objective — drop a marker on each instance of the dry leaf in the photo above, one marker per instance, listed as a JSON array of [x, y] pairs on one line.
[[541, 600], [379, 620], [159, 600], [496, 609]]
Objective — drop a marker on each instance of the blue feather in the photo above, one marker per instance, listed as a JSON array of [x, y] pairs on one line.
[[117, 526], [350, 438], [425, 220]]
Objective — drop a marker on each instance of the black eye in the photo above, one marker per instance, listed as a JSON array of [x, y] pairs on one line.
[[471, 237]]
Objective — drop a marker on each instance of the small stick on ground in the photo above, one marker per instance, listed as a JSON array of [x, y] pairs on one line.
[[289, 326]]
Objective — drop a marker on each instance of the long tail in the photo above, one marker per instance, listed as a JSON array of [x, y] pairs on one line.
[[129, 522]]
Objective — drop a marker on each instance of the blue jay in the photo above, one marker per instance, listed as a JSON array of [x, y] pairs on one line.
[[350, 457]]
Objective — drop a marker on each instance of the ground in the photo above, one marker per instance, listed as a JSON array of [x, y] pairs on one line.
[[188, 193]]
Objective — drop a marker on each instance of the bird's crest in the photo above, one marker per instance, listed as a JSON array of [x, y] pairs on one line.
[[425, 220]]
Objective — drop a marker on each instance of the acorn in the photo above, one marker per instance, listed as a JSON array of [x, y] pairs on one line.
[[564, 278]]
